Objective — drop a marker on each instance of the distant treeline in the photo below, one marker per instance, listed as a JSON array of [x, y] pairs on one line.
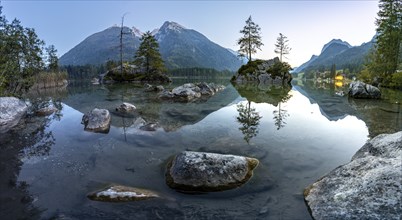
[[199, 72], [84, 71], [91, 71]]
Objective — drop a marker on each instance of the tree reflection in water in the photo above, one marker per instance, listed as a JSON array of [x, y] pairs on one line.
[[276, 95], [281, 114], [249, 119]]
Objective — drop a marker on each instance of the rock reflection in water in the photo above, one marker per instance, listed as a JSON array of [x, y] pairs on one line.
[[380, 116], [30, 138]]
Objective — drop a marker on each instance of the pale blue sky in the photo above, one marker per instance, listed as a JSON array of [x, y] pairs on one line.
[[307, 24]]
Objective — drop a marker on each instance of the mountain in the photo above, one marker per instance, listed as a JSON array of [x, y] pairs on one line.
[[304, 65], [103, 46], [337, 52], [180, 48]]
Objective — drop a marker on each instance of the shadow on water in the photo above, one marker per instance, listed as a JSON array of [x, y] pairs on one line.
[[29, 139]]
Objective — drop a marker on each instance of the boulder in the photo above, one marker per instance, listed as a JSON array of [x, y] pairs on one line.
[[363, 91], [45, 111], [207, 172], [118, 193], [189, 91], [11, 111], [151, 88], [368, 187], [166, 95], [126, 107], [97, 120], [206, 89]]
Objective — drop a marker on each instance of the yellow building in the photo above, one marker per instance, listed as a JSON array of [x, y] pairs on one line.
[[339, 77]]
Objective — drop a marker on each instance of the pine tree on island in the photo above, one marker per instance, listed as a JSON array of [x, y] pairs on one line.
[[251, 40], [147, 57]]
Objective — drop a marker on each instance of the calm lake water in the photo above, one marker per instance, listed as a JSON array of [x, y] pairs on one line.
[[299, 134]]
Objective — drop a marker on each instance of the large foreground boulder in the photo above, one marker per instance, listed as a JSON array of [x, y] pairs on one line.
[[206, 172], [362, 90], [11, 111], [97, 120], [368, 187], [118, 193]]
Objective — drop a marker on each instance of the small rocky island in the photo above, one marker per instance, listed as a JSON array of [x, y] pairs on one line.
[[271, 71], [132, 73]]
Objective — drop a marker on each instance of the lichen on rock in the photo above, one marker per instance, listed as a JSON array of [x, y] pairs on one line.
[[207, 172], [368, 187]]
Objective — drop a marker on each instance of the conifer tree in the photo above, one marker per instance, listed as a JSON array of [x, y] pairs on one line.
[[281, 47], [52, 58], [251, 40], [333, 71], [147, 56], [388, 48]]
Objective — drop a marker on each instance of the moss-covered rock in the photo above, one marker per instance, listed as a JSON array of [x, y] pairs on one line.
[[264, 71]]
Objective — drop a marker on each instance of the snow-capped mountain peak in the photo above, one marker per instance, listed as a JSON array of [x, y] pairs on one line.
[[170, 25], [137, 32]]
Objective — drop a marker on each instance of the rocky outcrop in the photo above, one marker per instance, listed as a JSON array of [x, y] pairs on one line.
[[205, 172], [97, 120], [189, 91], [11, 111], [262, 72], [152, 88], [118, 193], [362, 90], [126, 107], [368, 187]]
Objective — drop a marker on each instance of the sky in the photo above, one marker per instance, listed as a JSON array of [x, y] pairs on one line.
[[308, 25]]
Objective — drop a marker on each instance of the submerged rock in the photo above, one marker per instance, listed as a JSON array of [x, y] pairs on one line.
[[149, 127], [207, 172], [97, 120], [45, 111], [118, 193], [126, 107], [363, 91], [11, 111], [368, 187]]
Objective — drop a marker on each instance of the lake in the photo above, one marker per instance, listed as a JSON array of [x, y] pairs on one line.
[[299, 133]]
